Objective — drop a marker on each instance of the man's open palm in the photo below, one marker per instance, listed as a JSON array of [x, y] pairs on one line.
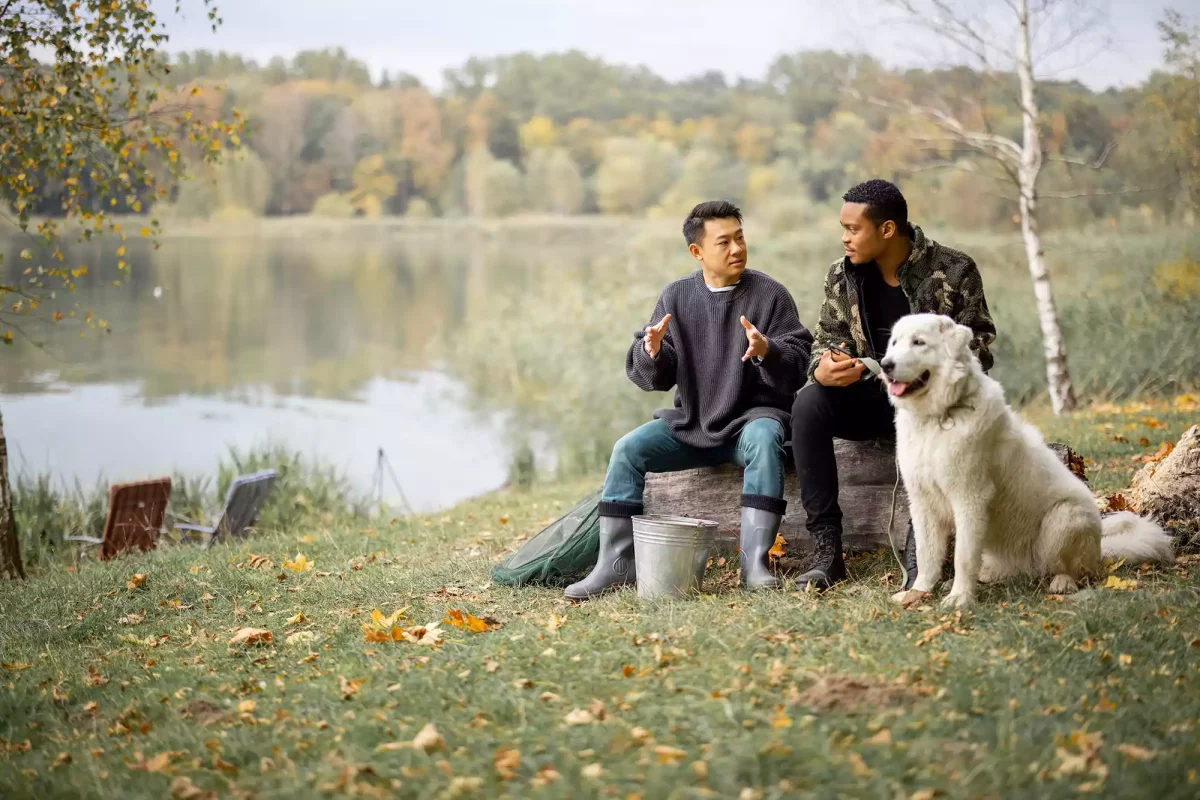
[[756, 343], [654, 336]]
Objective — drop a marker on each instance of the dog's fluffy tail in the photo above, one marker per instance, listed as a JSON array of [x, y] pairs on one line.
[[1126, 535]]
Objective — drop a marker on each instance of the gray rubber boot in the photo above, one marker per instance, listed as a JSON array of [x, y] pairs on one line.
[[614, 564], [758, 536], [828, 567]]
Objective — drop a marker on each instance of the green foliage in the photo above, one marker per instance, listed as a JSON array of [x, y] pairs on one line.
[[494, 187]]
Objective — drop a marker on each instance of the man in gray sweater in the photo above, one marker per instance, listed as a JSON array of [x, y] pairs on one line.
[[729, 341]]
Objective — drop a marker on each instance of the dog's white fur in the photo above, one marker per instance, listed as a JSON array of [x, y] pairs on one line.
[[972, 467]]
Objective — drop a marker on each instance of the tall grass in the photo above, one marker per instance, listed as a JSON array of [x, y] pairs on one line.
[[306, 493]]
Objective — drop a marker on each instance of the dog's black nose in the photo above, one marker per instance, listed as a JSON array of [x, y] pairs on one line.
[[888, 365]]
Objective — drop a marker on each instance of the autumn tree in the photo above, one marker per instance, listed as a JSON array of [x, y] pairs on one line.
[[1006, 47], [83, 125]]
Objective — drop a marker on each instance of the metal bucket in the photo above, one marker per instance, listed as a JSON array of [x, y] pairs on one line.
[[670, 553]]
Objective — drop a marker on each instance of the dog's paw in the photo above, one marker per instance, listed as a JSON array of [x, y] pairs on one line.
[[910, 598], [958, 600], [1063, 584]]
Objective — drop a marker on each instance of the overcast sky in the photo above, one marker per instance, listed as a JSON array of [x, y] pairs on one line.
[[675, 38]]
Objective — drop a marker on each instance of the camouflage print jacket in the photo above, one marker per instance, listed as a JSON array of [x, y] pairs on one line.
[[935, 279]]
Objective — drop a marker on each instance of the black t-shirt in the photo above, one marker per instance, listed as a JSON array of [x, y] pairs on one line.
[[884, 305]]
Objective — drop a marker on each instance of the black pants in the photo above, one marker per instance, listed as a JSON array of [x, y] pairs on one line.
[[858, 412]]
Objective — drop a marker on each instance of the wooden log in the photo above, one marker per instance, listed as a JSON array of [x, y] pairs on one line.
[[1169, 489], [866, 479]]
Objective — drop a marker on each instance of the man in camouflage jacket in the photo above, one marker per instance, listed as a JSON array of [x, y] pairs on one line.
[[890, 269]]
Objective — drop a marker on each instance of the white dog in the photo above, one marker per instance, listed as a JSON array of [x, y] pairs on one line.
[[972, 467]]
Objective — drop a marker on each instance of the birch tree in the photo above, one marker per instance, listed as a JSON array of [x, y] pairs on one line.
[[1004, 40]]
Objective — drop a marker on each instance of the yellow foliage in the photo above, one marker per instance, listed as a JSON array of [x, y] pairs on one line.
[[1180, 279], [538, 133]]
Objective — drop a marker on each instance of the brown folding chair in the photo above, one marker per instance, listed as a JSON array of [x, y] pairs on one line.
[[135, 515]]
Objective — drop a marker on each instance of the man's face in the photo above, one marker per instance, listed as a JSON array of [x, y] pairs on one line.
[[722, 251], [863, 240]]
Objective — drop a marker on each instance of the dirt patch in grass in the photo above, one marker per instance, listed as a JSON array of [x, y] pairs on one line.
[[845, 694]]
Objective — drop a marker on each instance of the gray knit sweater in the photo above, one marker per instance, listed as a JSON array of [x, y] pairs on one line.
[[716, 393]]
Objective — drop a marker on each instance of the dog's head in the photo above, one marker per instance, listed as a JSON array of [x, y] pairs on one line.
[[927, 358]]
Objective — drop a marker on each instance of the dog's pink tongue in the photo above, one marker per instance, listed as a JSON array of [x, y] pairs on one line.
[[897, 388]]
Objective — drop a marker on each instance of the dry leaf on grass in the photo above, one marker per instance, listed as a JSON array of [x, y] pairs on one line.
[[554, 622], [93, 676], [14, 665], [132, 619], [296, 620], [160, 763], [580, 716], [300, 637], [593, 771], [466, 621], [349, 688], [251, 636], [1120, 584], [669, 755], [298, 564], [136, 580], [1135, 753], [182, 788], [428, 739], [506, 761], [884, 736]]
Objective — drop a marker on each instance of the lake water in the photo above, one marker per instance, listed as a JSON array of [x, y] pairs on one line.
[[324, 342]]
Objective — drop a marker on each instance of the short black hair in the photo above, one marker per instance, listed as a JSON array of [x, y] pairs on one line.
[[693, 226], [883, 201]]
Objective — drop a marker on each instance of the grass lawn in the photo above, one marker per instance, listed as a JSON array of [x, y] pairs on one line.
[[119, 685]]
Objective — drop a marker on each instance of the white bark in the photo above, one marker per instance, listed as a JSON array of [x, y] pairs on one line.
[[1058, 377]]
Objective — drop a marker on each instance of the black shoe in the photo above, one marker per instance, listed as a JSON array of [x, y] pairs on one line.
[[910, 557], [828, 567]]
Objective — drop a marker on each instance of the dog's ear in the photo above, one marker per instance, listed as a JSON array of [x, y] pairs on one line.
[[961, 336]]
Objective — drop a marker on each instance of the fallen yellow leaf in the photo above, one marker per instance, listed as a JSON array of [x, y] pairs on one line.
[[299, 564], [349, 688], [593, 771], [428, 739], [135, 580], [466, 621], [160, 763], [1120, 584], [580, 716], [884, 736], [251, 636], [669, 755], [1135, 753], [296, 620], [507, 760]]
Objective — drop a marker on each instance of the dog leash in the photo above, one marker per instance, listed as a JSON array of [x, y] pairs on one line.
[[891, 529]]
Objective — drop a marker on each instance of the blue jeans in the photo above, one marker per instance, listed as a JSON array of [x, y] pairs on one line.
[[652, 448]]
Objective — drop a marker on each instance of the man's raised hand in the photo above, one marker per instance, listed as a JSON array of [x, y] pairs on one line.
[[654, 336], [756, 343]]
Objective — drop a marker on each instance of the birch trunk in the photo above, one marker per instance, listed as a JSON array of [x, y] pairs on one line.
[[10, 550], [1062, 394]]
